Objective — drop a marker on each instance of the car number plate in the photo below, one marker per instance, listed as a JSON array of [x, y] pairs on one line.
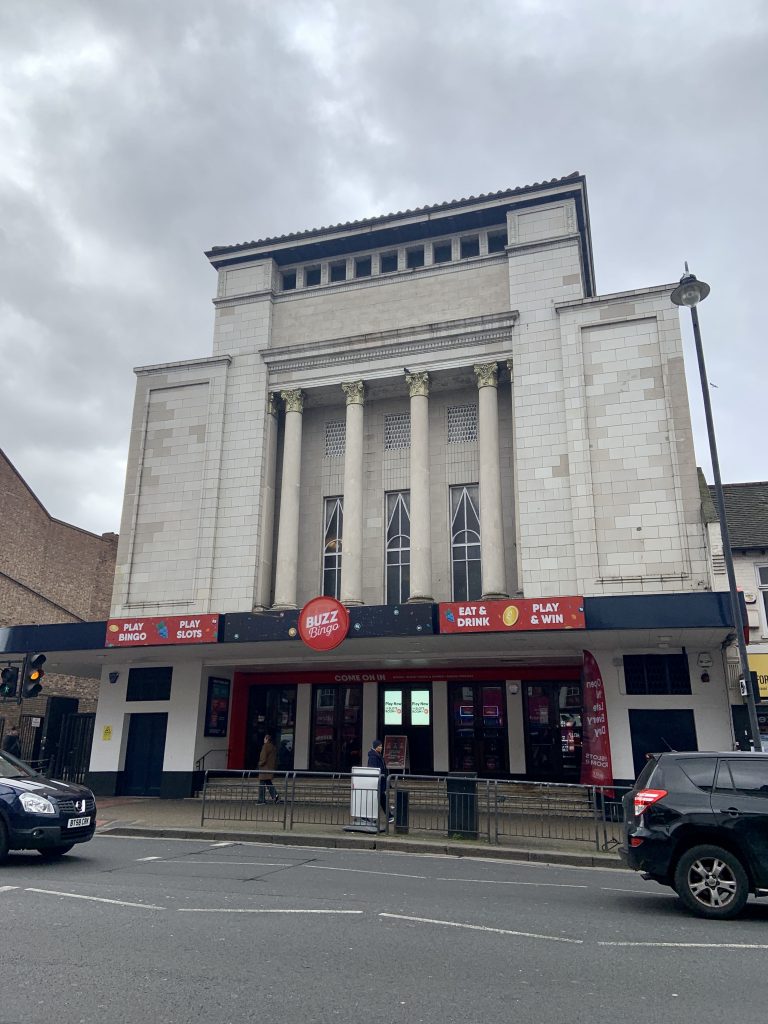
[[78, 822]]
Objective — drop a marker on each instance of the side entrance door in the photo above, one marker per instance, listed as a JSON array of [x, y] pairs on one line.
[[144, 754]]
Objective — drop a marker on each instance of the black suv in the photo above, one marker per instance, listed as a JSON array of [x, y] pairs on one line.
[[699, 822], [41, 814]]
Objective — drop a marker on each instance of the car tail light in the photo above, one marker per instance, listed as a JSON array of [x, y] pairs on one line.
[[646, 798]]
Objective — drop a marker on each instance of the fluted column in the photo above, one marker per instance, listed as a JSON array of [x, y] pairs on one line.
[[267, 505], [287, 569], [352, 538], [494, 575], [421, 534]]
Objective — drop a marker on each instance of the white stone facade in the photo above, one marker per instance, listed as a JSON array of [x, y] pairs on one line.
[[598, 490]]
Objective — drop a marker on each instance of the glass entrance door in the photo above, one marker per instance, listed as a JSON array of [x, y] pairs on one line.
[[405, 709], [337, 728], [478, 729], [553, 731], [271, 709]]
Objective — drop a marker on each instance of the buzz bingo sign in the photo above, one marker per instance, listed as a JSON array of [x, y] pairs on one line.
[[323, 623]]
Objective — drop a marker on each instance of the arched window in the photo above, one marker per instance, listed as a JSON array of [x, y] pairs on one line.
[[398, 547], [334, 526], [465, 543]]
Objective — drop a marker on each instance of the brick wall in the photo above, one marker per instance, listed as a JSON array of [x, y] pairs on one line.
[[50, 572]]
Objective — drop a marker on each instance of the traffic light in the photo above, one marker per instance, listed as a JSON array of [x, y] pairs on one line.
[[33, 676], [10, 680]]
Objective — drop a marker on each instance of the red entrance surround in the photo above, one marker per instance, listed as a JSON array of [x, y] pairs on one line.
[[243, 681]]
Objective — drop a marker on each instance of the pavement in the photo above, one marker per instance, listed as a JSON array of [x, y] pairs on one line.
[[152, 817]]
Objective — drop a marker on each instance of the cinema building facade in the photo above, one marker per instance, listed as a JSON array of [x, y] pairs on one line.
[[432, 418]]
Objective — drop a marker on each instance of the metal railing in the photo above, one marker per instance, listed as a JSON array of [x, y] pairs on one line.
[[484, 810]]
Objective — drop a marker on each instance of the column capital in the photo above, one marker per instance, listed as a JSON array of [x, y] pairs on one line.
[[294, 400], [271, 404], [355, 392], [511, 368], [487, 374], [418, 384]]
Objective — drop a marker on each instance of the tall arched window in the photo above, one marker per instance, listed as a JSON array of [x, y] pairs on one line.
[[398, 547], [334, 527], [465, 543]]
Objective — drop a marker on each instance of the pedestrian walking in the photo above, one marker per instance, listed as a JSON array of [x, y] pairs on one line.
[[376, 760], [12, 743], [267, 763]]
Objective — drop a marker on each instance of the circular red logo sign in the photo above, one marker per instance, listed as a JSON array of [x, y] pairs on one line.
[[323, 623]]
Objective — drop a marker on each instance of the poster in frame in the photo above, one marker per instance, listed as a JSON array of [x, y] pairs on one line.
[[217, 707]]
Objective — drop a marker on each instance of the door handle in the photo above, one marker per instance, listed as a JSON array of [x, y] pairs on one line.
[[733, 812]]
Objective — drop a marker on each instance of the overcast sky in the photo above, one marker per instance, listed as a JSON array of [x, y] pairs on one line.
[[134, 134]]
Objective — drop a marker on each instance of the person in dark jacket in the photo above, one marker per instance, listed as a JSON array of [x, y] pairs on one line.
[[376, 760], [267, 762], [11, 743]]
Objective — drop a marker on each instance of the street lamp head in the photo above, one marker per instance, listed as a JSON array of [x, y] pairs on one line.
[[690, 291]]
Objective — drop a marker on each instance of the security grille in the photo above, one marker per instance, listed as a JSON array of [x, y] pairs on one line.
[[462, 424], [397, 431], [335, 439]]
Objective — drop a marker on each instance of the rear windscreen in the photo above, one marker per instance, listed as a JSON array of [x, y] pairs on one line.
[[645, 775]]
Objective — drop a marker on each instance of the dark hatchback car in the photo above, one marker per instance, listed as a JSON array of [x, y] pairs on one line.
[[699, 823], [41, 814]]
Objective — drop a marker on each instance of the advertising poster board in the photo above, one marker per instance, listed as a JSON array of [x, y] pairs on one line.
[[396, 753], [217, 707]]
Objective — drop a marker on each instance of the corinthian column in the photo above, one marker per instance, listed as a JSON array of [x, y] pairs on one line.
[[287, 569], [421, 536], [267, 505], [491, 532], [352, 540]]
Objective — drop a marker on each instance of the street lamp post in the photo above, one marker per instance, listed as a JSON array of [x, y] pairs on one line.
[[690, 292]]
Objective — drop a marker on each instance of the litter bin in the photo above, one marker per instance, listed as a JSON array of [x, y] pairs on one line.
[[401, 810], [462, 804]]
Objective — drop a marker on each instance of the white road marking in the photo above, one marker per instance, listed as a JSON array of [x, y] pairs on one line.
[[140, 859], [7, 888], [258, 910], [692, 945], [361, 871], [215, 845], [239, 863], [484, 928], [636, 892], [493, 881], [96, 899]]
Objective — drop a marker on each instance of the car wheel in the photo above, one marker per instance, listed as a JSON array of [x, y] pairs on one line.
[[3, 841], [711, 882], [54, 852]]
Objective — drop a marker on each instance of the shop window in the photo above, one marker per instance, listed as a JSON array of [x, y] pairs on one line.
[[288, 280], [469, 247], [398, 547], [334, 525], [414, 258], [388, 262], [149, 684], [337, 728], [465, 543], [497, 241], [338, 271], [762, 582], [312, 277], [442, 252], [363, 267], [478, 728], [656, 674]]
